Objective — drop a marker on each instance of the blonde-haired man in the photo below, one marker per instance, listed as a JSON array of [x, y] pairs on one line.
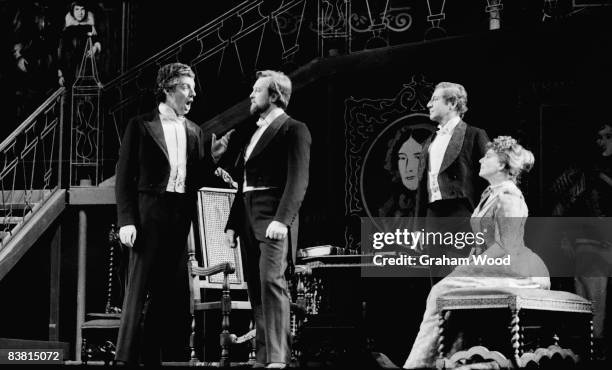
[[272, 173]]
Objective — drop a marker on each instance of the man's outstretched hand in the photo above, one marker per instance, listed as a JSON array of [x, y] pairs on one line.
[[219, 146]]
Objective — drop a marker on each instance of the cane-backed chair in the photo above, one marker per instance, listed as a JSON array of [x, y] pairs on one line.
[[207, 244]]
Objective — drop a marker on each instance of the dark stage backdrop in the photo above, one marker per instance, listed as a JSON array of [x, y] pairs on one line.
[[545, 86]]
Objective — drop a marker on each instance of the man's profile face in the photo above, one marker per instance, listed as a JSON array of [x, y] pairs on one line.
[[181, 95], [604, 140], [260, 98], [408, 162], [438, 107], [79, 12]]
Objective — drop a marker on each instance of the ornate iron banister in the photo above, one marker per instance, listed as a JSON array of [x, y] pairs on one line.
[[228, 50], [192, 36], [30, 160], [224, 52]]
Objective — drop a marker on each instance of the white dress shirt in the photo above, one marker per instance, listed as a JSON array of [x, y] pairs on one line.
[[176, 143], [262, 124], [437, 149]]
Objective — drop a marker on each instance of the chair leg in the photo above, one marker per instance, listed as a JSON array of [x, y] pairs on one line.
[[515, 330], [591, 346], [252, 345], [442, 319], [192, 354], [225, 336], [84, 351]]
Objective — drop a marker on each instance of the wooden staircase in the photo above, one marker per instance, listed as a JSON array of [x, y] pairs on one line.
[[21, 232]]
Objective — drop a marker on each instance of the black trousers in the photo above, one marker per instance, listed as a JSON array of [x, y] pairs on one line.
[[155, 316], [266, 263], [447, 215]]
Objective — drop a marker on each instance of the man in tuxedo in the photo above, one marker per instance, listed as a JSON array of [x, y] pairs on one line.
[[162, 162], [449, 182], [272, 173]]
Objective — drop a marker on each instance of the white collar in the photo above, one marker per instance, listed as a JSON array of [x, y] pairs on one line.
[[272, 115], [167, 112], [502, 185], [449, 126]]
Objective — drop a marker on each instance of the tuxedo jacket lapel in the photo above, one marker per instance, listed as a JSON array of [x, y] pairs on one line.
[[424, 159], [454, 146], [192, 138], [268, 135], [157, 133]]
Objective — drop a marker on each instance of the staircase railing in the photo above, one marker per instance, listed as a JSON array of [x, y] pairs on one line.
[[223, 54], [30, 160]]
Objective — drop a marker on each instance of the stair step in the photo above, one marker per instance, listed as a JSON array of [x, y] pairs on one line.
[[7, 206], [27, 344], [10, 220], [19, 197], [13, 213]]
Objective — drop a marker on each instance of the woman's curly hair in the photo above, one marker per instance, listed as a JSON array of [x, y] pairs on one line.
[[515, 158]]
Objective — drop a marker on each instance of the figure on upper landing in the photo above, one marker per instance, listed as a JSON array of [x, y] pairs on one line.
[[79, 25]]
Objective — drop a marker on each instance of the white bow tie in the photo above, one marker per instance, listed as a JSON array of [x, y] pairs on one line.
[[444, 131], [173, 117], [261, 122]]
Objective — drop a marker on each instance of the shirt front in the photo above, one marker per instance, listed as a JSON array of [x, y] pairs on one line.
[[437, 149], [175, 137], [262, 124]]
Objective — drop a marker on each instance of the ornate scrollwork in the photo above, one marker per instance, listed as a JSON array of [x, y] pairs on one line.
[[365, 120], [395, 20]]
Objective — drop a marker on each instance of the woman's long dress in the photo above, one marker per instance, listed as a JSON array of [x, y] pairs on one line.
[[501, 218]]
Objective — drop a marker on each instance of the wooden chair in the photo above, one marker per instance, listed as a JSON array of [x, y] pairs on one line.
[[105, 324], [513, 328], [213, 210]]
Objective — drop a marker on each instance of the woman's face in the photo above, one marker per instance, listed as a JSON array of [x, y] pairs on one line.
[[604, 140], [79, 13], [490, 165], [408, 162]]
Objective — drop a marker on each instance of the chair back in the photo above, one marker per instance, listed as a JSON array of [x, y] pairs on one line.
[[214, 206]]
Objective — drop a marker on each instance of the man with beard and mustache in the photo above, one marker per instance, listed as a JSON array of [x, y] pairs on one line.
[[272, 173], [162, 163]]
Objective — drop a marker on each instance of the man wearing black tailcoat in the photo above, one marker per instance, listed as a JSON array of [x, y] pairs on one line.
[[272, 172], [162, 162], [448, 170]]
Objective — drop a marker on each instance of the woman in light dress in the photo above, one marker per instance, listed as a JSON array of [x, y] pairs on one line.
[[501, 217]]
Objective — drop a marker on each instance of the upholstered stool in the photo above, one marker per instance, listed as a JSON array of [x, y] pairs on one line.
[[512, 327]]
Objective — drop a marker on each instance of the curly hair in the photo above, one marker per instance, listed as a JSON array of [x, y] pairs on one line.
[[80, 3], [419, 134], [454, 93], [279, 85], [168, 76], [516, 159]]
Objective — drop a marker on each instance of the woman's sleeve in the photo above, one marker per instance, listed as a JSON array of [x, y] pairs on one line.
[[510, 220]]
